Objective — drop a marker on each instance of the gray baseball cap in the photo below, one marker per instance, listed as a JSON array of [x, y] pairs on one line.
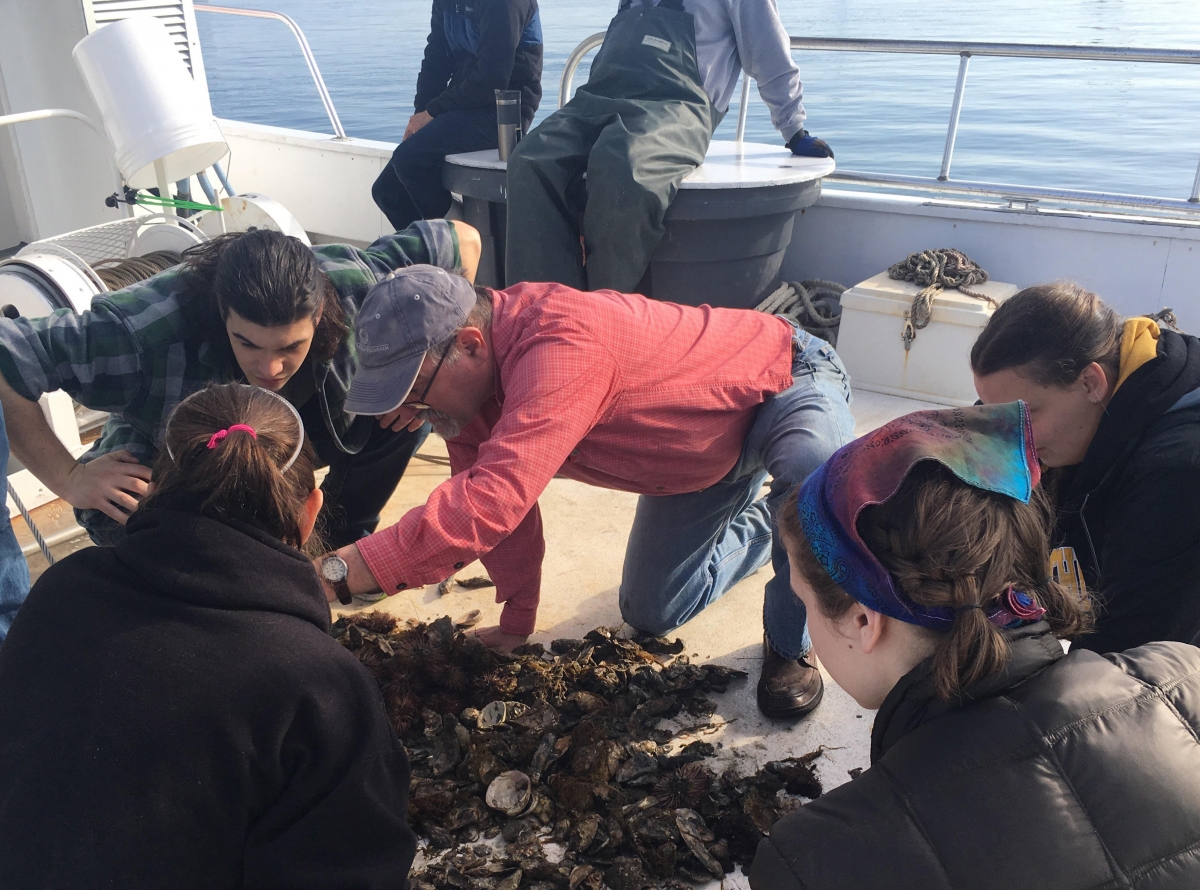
[[403, 316]]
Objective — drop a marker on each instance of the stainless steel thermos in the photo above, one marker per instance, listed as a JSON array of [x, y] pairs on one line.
[[508, 121]]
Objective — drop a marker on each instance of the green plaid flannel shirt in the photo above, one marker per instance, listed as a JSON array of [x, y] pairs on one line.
[[132, 355]]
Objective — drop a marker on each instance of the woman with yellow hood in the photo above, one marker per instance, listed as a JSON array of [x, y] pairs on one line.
[[1115, 407]]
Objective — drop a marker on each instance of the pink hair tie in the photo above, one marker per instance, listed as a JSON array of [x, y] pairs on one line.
[[221, 434]]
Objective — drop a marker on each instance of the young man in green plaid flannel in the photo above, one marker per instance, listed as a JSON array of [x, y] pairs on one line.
[[257, 307]]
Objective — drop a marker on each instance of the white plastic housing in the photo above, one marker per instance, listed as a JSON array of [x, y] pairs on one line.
[[152, 109]]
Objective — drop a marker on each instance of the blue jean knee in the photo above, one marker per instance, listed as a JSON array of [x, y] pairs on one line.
[[796, 431]]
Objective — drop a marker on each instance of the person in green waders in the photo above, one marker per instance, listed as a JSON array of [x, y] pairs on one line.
[[659, 86]]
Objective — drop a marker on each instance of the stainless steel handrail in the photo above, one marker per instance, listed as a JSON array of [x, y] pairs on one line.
[[964, 50], [339, 133], [573, 60], [42, 114]]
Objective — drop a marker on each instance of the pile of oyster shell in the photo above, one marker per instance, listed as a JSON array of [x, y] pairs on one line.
[[548, 769]]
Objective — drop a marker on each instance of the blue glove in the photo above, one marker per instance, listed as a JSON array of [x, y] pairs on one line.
[[809, 146]]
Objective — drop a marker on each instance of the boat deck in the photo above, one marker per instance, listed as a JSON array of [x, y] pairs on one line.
[[586, 529]]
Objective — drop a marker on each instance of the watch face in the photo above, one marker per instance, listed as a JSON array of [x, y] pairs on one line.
[[333, 569]]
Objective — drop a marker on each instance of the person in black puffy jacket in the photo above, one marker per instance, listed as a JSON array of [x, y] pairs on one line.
[[1116, 413], [173, 711], [997, 761]]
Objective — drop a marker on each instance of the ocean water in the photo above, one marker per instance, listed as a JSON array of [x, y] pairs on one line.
[[1110, 126]]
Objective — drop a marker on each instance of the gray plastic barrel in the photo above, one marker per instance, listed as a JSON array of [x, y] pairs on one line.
[[724, 246]]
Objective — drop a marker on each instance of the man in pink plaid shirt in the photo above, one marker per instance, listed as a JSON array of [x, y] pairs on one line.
[[693, 408]]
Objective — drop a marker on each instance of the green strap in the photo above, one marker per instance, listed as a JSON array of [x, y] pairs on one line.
[[157, 201]]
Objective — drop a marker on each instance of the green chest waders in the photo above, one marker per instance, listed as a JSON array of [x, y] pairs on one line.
[[639, 125]]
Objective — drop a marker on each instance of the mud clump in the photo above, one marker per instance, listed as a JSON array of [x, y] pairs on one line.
[[546, 769]]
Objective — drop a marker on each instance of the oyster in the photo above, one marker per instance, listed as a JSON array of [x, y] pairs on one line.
[[510, 793]]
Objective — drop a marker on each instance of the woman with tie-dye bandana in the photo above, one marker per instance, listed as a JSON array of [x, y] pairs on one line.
[[997, 760]]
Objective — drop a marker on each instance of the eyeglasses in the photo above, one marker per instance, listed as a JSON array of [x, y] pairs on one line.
[[419, 404]]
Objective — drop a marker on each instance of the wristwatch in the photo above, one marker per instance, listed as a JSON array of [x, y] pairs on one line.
[[334, 570]]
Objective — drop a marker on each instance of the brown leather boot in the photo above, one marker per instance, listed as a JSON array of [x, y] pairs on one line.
[[788, 689]]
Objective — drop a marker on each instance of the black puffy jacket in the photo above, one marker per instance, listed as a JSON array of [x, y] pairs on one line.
[[175, 715], [1130, 512], [1063, 772], [476, 47]]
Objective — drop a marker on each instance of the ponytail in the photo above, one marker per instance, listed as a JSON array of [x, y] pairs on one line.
[[952, 546], [239, 452]]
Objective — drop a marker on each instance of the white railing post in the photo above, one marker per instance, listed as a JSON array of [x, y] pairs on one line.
[[322, 91], [955, 111], [744, 107]]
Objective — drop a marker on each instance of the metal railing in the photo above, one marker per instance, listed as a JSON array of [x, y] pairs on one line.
[[338, 132], [964, 50], [42, 114]]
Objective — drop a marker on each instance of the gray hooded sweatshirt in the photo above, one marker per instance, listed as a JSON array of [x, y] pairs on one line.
[[736, 34]]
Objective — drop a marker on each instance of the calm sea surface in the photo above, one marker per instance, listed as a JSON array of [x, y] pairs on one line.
[[1091, 125]]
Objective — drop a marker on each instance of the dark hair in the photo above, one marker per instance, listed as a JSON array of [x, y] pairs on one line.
[[242, 478], [1051, 332], [480, 317], [267, 278], [950, 545]]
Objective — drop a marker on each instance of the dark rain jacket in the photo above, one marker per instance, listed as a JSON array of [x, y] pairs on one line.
[[1060, 772], [476, 47], [174, 714], [1130, 512]]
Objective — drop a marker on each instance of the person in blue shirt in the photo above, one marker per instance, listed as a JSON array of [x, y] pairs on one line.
[[475, 47]]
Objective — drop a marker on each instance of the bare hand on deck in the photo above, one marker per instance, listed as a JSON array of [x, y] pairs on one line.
[[418, 120], [113, 483], [495, 638]]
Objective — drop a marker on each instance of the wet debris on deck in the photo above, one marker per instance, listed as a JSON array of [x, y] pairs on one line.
[[548, 769]]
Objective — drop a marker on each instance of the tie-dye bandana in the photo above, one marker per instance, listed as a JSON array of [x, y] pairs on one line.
[[986, 446]]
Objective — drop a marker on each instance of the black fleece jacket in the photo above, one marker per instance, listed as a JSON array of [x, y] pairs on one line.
[[174, 714], [476, 47], [1077, 772], [1131, 509]]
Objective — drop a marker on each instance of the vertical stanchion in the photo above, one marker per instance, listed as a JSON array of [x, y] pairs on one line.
[[955, 111]]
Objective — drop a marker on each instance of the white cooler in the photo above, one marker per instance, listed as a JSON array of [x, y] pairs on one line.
[[937, 368]]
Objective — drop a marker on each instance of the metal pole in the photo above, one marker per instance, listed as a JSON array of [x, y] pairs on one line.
[[224, 182], [1195, 198], [339, 133], [744, 107], [209, 191], [44, 113], [955, 111], [37, 535], [164, 187], [573, 60]]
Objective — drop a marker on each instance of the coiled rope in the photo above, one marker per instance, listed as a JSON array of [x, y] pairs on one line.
[[119, 273], [815, 305], [935, 270]]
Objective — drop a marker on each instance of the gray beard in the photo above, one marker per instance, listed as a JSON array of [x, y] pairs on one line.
[[443, 424]]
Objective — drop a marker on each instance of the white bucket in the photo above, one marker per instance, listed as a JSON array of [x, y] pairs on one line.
[[152, 109]]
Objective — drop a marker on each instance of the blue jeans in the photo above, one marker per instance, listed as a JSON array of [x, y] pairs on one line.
[[410, 186], [686, 550], [14, 571]]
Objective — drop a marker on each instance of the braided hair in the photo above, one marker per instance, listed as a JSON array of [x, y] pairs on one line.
[[950, 545]]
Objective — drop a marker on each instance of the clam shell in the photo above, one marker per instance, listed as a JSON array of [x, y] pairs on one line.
[[510, 793], [492, 715]]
